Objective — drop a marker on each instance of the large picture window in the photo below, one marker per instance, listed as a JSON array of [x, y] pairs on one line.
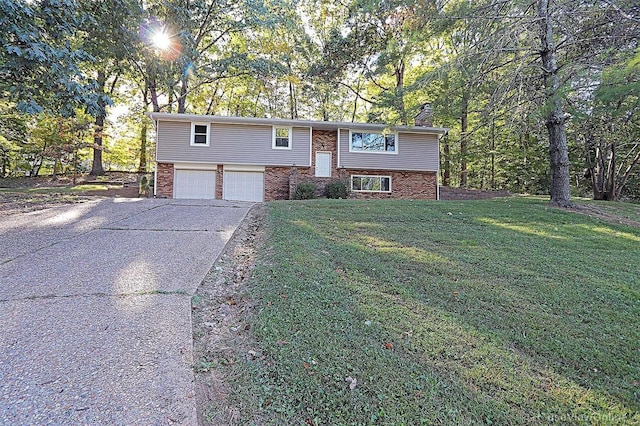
[[199, 134], [373, 142], [371, 183]]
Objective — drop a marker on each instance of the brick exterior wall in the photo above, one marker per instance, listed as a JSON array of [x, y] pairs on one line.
[[164, 180], [407, 185], [280, 182], [404, 185], [276, 183], [219, 178], [321, 141]]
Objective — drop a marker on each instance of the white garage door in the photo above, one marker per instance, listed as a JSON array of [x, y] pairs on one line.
[[243, 186], [194, 184]]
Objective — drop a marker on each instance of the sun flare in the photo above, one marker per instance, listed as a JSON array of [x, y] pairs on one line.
[[161, 39]]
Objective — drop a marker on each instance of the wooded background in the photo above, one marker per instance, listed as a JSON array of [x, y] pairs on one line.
[[541, 96]]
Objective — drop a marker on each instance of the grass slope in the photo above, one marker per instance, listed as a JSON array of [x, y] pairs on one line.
[[501, 311]]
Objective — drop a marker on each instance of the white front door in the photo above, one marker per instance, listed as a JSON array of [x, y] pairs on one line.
[[194, 184], [243, 186], [323, 164]]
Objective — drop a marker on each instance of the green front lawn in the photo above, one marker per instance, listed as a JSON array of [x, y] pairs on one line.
[[501, 311]]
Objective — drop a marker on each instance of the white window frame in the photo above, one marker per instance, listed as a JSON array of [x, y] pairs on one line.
[[370, 176], [273, 139], [192, 139], [395, 146]]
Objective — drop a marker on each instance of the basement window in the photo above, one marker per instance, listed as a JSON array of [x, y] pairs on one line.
[[371, 183]]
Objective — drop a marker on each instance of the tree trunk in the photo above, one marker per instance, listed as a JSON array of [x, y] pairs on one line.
[[152, 90], [493, 153], [182, 100], [446, 174], [142, 166], [554, 120], [5, 160], [293, 110], [96, 166], [611, 175], [464, 123], [399, 73], [170, 100], [627, 173]]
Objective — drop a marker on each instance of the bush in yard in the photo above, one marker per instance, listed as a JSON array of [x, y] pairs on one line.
[[305, 191], [144, 187], [336, 189]]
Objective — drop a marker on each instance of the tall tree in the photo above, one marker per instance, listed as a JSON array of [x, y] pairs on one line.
[[554, 111], [111, 34], [40, 60]]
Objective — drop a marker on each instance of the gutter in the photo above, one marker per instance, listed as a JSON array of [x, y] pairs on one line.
[[320, 125]]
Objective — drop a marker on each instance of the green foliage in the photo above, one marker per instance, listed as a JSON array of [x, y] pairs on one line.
[[41, 57], [305, 191], [145, 186], [336, 189], [500, 311]]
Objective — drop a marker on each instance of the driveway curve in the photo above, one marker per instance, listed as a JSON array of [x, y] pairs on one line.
[[95, 309]]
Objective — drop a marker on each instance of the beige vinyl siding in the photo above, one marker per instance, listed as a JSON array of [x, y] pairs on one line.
[[415, 151], [231, 143]]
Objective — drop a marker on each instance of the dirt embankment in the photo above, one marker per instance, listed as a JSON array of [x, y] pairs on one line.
[[221, 309]]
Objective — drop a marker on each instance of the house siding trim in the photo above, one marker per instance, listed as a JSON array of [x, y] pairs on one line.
[[195, 166], [310, 146], [243, 168]]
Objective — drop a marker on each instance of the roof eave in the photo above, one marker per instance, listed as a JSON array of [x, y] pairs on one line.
[[321, 125]]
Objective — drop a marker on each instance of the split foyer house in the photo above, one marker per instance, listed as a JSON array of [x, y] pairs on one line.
[[261, 159]]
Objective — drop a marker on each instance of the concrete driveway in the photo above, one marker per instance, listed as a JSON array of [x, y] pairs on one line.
[[95, 316]]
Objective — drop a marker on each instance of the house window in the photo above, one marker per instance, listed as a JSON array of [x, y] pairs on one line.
[[373, 142], [371, 183], [199, 134], [281, 138]]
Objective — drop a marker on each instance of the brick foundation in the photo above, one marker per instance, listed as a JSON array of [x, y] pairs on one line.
[[404, 185], [276, 183], [164, 181]]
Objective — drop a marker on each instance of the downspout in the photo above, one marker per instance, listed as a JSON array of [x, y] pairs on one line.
[[338, 164], [155, 181], [438, 172]]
